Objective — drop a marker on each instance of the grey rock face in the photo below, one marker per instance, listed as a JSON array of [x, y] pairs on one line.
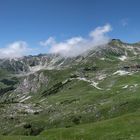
[[32, 83]]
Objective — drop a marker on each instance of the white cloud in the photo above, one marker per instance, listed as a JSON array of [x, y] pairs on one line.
[[68, 48], [49, 41], [124, 22], [78, 45], [14, 50], [99, 34]]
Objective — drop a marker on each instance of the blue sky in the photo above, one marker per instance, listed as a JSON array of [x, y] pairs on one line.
[[33, 21]]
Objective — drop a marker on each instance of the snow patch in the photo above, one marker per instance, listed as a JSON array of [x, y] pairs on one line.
[[83, 79], [122, 72], [135, 85], [25, 99], [102, 58], [61, 63], [36, 68], [101, 77], [22, 97], [126, 86], [94, 84], [122, 58], [42, 100]]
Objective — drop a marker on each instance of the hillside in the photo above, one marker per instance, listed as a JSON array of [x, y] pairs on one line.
[[92, 96]]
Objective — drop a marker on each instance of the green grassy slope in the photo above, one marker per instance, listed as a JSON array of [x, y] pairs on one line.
[[125, 127], [86, 101], [121, 128]]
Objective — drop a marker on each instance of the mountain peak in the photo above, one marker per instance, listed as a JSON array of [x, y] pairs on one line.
[[116, 40]]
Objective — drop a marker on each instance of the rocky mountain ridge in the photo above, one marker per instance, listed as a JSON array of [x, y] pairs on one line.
[[49, 92], [55, 61]]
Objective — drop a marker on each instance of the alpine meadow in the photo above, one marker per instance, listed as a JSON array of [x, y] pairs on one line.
[[69, 70]]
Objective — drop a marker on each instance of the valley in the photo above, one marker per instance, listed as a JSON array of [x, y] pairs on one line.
[[93, 95]]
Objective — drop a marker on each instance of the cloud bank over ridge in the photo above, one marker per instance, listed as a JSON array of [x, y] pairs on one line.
[[14, 50], [68, 48], [78, 45]]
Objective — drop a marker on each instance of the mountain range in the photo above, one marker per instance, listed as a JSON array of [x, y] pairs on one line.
[[94, 95]]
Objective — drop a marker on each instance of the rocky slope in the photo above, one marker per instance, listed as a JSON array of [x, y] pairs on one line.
[[48, 93]]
